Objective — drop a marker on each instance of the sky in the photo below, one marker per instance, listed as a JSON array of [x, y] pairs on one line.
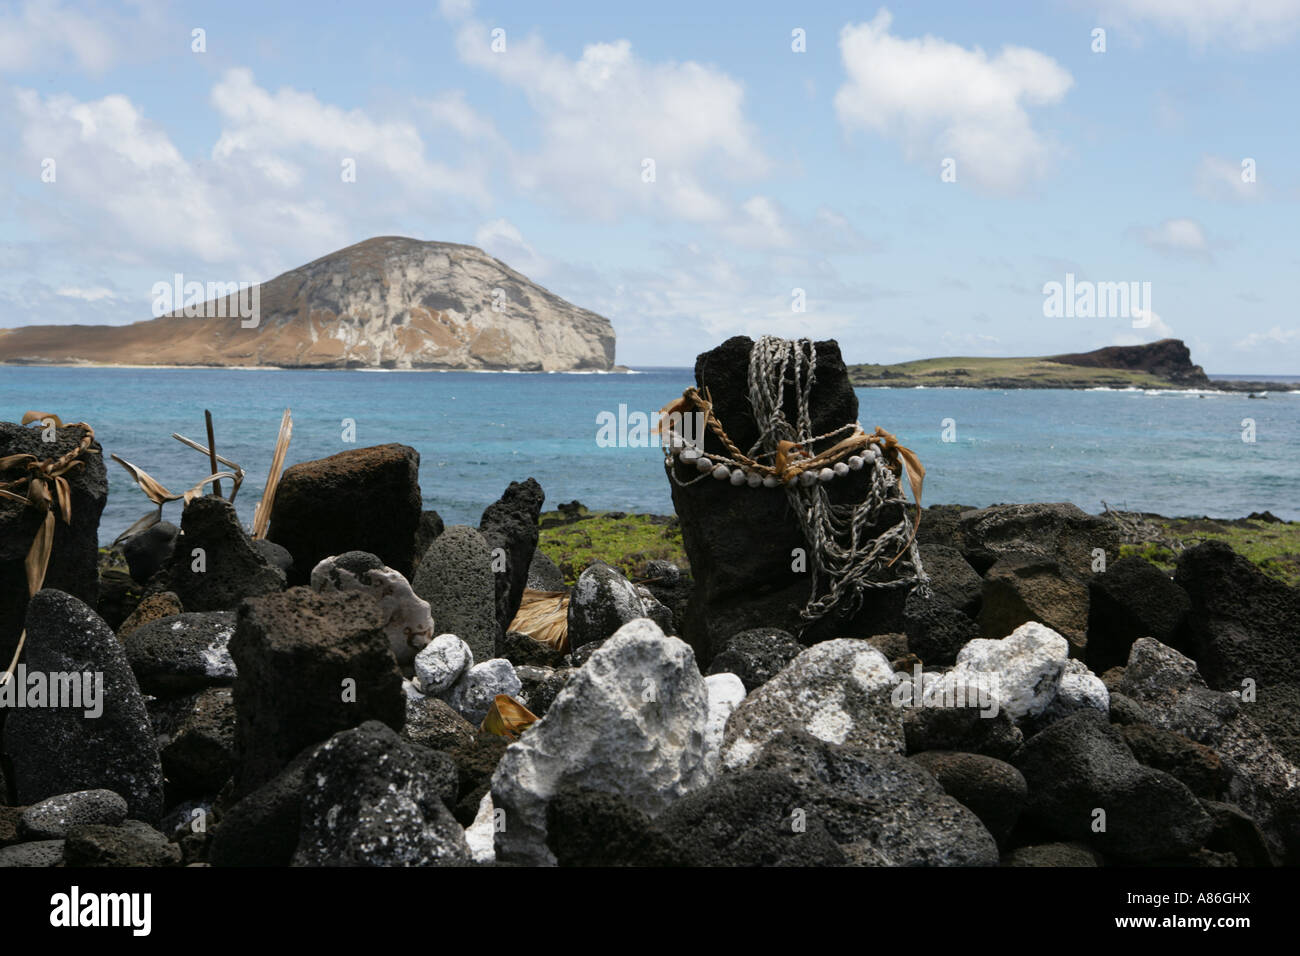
[[909, 178]]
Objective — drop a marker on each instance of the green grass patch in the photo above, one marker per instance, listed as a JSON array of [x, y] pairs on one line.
[[576, 537], [1273, 547]]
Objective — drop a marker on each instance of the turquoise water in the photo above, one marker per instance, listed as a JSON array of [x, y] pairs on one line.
[[1176, 453]]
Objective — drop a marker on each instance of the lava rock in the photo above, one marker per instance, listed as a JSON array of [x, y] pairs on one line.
[[408, 621], [1234, 832], [379, 800], [183, 653], [541, 685], [56, 750], [1133, 599], [951, 576], [262, 828], [476, 762], [993, 790], [597, 828], [630, 722], [1052, 854], [544, 574], [50, 819], [363, 499], [1244, 624], [935, 629], [152, 607], [228, 569], [1025, 667], [739, 541], [430, 722], [509, 525], [1080, 765], [134, 843], [1061, 532], [521, 650], [1262, 781], [751, 818], [198, 756], [967, 728], [147, 551], [36, 853], [74, 557], [882, 809], [756, 655], [1077, 689], [442, 663], [602, 602], [457, 580], [839, 691], [430, 526], [670, 586], [472, 695], [1020, 588], [274, 554], [1196, 765], [310, 665]]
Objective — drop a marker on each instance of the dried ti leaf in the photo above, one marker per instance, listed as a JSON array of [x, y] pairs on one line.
[[29, 417], [152, 489], [507, 717]]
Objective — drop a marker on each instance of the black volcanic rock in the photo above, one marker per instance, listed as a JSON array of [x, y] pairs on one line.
[[740, 540], [1167, 358], [74, 559], [363, 499]]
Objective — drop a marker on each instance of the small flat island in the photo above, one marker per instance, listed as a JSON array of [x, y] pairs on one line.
[[1166, 364]]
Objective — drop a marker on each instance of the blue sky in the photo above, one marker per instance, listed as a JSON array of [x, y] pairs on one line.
[[774, 170]]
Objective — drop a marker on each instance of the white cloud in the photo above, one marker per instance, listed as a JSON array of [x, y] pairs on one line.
[[1270, 339], [1179, 237], [261, 126], [1153, 329], [1220, 178], [451, 111], [45, 33], [940, 100], [87, 295], [1243, 24], [601, 116], [124, 173]]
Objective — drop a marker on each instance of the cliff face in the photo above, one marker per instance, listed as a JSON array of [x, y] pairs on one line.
[[1167, 358], [388, 302]]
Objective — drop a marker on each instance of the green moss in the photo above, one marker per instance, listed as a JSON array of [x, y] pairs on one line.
[[576, 537], [1274, 547]]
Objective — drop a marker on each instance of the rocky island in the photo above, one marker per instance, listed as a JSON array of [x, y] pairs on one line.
[[388, 302], [1166, 364]]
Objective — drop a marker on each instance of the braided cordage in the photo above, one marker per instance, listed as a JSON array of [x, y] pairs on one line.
[[845, 563]]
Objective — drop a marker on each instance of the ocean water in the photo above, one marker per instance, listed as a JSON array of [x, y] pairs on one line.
[[1176, 453]]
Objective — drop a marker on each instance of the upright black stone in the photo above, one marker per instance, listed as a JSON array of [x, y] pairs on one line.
[[741, 541]]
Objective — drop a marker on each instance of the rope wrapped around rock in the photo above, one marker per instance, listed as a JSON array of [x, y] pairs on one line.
[[841, 553], [46, 488]]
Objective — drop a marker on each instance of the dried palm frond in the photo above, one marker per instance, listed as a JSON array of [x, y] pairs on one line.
[[238, 471], [262, 515], [544, 616]]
